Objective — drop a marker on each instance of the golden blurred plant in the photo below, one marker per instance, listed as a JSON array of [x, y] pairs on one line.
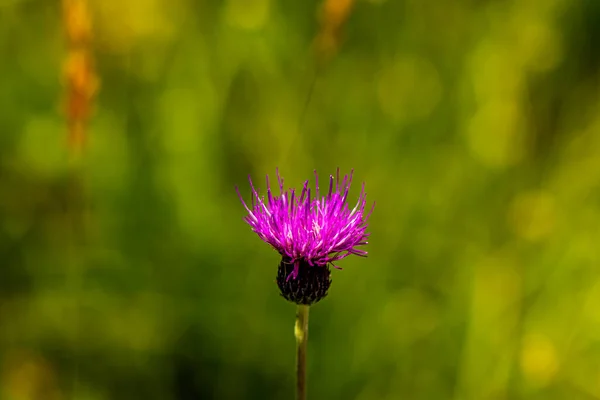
[[26, 375], [333, 16], [79, 72]]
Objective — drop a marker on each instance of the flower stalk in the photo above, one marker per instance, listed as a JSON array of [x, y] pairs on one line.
[[310, 233], [301, 333]]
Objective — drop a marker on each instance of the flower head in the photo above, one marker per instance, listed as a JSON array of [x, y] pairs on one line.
[[309, 232]]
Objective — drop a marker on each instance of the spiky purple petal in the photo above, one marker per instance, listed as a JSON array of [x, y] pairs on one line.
[[315, 231]]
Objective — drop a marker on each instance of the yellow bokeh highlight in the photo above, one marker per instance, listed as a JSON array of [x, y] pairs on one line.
[[539, 361], [496, 134], [532, 215], [247, 14], [120, 25], [26, 375], [409, 88], [495, 73], [497, 289], [539, 47]]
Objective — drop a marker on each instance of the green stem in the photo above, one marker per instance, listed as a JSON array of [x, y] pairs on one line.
[[301, 333]]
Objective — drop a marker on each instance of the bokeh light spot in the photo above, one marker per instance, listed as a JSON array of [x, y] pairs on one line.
[[497, 286], [539, 361], [26, 376], [539, 47], [496, 134], [122, 24], [248, 14], [495, 73], [533, 215]]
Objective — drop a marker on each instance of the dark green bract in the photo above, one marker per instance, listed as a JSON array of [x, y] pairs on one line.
[[310, 285]]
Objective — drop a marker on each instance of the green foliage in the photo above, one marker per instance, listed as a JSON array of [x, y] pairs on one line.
[[129, 273]]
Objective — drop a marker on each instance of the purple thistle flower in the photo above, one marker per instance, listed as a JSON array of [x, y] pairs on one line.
[[309, 233]]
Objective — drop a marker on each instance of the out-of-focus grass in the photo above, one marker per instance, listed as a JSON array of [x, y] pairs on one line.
[[475, 124]]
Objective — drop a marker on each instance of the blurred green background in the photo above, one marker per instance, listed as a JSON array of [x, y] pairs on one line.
[[127, 272]]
